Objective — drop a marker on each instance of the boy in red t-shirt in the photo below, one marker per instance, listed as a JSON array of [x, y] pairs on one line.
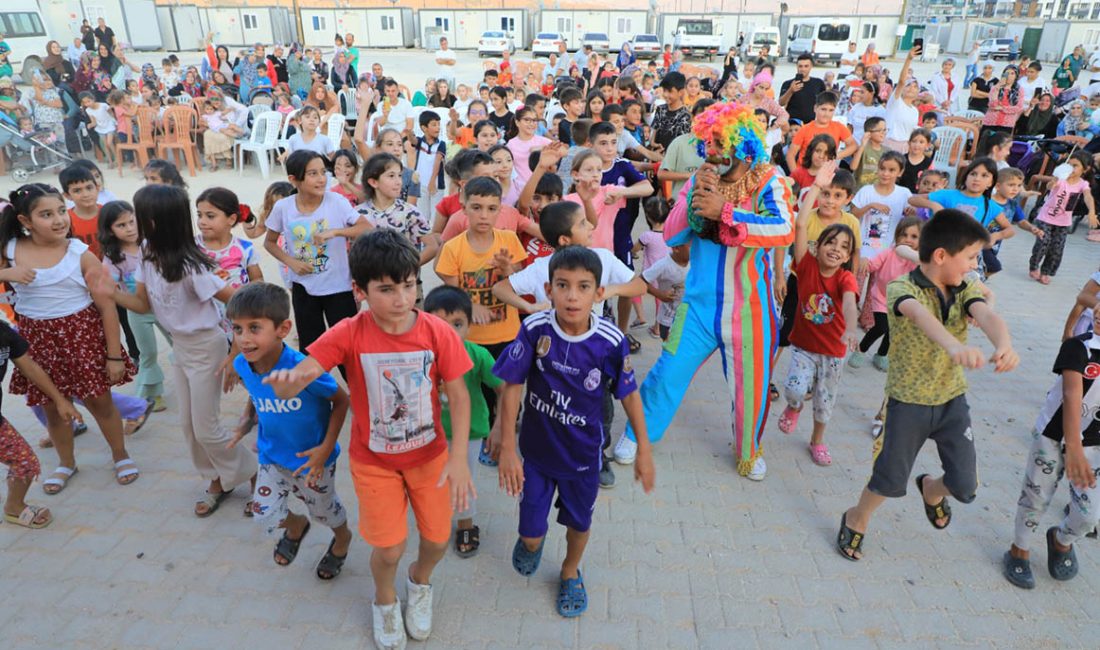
[[78, 184], [824, 107], [399, 361], [465, 165]]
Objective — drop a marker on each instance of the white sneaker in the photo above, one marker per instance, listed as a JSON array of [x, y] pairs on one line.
[[418, 610], [625, 450], [389, 630], [759, 470]]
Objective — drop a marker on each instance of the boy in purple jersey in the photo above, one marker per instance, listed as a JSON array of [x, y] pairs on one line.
[[566, 357]]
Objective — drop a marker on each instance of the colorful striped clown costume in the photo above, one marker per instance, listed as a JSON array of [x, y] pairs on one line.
[[727, 304]]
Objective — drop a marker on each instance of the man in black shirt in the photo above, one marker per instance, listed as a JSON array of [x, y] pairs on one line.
[[105, 34], [799, 94]]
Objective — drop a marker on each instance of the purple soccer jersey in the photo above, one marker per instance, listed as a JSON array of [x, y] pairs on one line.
[[566, 376]]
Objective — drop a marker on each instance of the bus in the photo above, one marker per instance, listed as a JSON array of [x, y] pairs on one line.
[[24, 30]]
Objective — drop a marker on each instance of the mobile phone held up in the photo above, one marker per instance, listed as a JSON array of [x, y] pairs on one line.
[[918, 45]]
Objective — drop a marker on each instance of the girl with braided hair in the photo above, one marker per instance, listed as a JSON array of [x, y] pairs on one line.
[[733, 212]]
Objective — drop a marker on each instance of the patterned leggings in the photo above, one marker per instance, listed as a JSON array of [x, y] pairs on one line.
[[17, 454], [1045, 468], [1048, 248]]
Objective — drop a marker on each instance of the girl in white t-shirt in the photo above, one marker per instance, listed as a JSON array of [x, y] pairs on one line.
[[308, 137], [177, 282], [73, 333], [316, 225], [902, 115]]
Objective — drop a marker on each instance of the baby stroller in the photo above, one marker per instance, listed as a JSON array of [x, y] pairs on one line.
[[32, 153]]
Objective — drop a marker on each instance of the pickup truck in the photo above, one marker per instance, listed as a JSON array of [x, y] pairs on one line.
[[698, 37]]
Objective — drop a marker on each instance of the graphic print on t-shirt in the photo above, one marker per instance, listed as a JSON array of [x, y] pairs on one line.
[[302, 245], [399, 390], [879, 223], [479, 286], [819, 309]]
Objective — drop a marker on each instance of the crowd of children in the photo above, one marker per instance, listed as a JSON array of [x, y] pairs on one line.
[[515, 362]]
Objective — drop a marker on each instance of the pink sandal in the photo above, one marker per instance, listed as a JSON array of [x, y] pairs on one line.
[[820, 455], [1044, 279], [1034, 274], [788, 420]]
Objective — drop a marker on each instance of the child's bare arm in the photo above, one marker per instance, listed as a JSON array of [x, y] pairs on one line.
[[644, 470], [635, 287], [37, 376], [1090, 203], [851, 321], [506, 293], [289, 382], [1004, 357], [314, 465], [922, 201], [430, 248], [1071, 320], [510, 469], [1078, 470], [457, 471]]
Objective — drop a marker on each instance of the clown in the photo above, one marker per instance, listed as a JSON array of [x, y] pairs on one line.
[[733, 212]]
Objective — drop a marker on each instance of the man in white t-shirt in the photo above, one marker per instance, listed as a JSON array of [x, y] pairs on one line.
[[1091, 66], [848, 61], [1030, 81], [397, 112], [446, 59]]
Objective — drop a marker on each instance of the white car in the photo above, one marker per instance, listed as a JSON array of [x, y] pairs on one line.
[[495, 43], [646, 46], [600, 43], [546, 43], [995, 48]]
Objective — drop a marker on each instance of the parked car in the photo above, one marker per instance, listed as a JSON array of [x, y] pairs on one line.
[[495, 43], [600, 42], [646, 46], [995, 48], [546, 43]]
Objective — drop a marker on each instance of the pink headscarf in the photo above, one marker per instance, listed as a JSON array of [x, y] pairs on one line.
[[762, 77]]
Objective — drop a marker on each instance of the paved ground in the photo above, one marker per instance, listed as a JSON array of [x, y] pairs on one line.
[[708, 560]]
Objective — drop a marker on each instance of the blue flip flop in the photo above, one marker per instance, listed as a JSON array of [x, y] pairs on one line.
[[572, 597], [524, 561], [484, 457]]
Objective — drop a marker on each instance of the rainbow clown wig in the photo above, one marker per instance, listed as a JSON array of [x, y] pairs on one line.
[[730, 131]]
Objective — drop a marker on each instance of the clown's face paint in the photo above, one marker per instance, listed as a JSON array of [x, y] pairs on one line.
[[721, 160]]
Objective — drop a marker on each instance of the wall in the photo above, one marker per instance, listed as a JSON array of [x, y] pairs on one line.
[[732, 24], [463, 27], [573, 24]]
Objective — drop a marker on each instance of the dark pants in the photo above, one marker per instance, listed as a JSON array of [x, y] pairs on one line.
[[495, 349], [881, 329], [1046, 254], [131, 341], [312, 312]]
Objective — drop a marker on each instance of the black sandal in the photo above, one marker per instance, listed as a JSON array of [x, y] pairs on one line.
[[773, 393], [468, 539], [941, 510], [849, 540], [635, 344], [287, 548], [331, 564]]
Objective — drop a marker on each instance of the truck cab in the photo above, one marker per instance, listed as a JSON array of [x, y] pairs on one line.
[[698, 37]]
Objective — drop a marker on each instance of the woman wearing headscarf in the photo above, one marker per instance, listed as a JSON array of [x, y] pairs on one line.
[[149, 78], [734, 212], [343, 73], [247, 75], [626, 56], [324, 100], [55, 63], [870, 56], [84, 79], [1006, 103], [759, 97], [1039, 119], [298, 72], [189, 85]]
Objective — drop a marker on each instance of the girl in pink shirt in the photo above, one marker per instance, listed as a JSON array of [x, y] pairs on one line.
[[885, 268], [523, 142], [1056, 216], [601, 203]]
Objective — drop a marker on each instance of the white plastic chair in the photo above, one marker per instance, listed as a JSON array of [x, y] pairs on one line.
[[948, 139], [335, 128], [265, 134], [184, 98], [350, 103], [257, 110], [444, 119], [970, 115]]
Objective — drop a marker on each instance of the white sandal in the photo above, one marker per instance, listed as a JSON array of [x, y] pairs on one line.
[[131, 470], [57, 483]]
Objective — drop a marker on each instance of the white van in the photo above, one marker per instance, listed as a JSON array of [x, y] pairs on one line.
[[824, 40], [24, 29]]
